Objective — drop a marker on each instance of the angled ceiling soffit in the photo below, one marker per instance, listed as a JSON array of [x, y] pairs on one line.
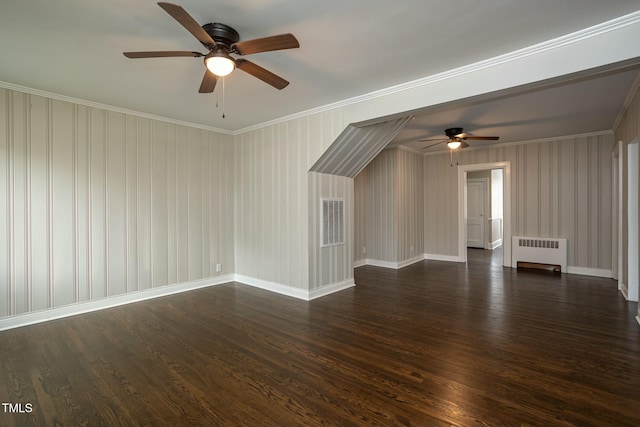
[[356, 146]]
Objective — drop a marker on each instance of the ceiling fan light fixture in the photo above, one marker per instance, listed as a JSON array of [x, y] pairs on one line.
[[220, 63], [454, 143]]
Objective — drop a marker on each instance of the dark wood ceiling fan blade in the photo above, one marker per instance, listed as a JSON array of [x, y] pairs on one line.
[[433, 145], [266, 44], [481, 138], [181, 15], [259, 72], [432, 139], [208, 82], [161, 54]]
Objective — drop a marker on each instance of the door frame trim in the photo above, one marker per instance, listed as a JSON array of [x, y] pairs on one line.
[[462, 208]]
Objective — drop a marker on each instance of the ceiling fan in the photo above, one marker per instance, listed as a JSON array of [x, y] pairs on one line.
[[456, 138], [221, 41]]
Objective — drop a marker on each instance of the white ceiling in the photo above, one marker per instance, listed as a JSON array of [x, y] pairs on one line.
[[584, 105], [348, 48]]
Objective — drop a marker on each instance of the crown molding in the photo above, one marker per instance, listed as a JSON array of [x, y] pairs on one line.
[[86, 103], [558, 42]]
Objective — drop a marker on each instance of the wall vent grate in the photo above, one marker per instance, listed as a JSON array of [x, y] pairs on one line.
[[332, 222]]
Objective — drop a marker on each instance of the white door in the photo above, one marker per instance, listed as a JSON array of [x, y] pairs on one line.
[[476, 208]]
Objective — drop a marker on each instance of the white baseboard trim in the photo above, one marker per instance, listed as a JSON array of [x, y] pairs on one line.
[[388, 264], [623, 291], [596, 272], [495, 244], [383, 264], [278, 288], [410, 261], [109, 302], [290, 291], [359, 263], [438, 257], [330, 289]]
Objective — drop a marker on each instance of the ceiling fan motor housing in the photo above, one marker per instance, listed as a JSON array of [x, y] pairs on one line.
[[222, 34], [452, 132]]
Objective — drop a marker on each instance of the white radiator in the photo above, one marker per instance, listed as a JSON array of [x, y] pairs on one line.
[[539, 250]]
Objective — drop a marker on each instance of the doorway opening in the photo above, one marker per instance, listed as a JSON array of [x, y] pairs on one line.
[[479, 227], [485, 215]]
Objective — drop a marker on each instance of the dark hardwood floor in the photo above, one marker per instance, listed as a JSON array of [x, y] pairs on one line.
[[434, 343]]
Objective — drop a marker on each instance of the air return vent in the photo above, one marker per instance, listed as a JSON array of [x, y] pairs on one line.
[[332, 222]]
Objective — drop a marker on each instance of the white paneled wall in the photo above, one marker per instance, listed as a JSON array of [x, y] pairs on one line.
[[440, 206], [332, 264], [410, 206], [389, 209], [560, 188], [381, 213], [96, 203], [360, 208], [272, 198]]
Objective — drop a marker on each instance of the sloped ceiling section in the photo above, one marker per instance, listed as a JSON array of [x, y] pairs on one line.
[[356, 146]]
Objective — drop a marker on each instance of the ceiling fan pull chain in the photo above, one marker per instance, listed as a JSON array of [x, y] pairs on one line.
[[223, 97]]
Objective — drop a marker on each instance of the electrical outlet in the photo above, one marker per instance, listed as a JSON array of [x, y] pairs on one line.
[[411, 249], [218, 268], [364, 249]]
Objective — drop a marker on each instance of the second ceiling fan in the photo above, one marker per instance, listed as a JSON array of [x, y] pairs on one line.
[[456, 138], [221, 41]]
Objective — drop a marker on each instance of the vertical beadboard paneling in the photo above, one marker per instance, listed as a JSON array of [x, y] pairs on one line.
[[61, 212], [18, 202], [97, 218], [382, 209], [531, 194], [195, 197], [159, 200], [182, 203], [97, 204], [582, 237], [132, 204], [143, 185], [568, 197], [544, 207], [410, 206], [605, 216], [206, 206], [116, 206], [360, 215], [171, 207], [272, 229], [440, 201], [216, 215], [5, 205], [39, 250]]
